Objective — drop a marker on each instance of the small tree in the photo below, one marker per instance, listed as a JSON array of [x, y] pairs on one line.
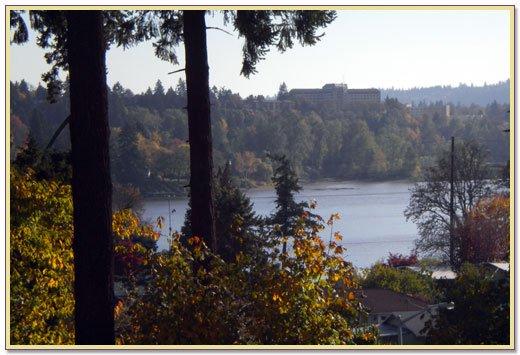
[[286, 185], [237, 225], [282, 92]]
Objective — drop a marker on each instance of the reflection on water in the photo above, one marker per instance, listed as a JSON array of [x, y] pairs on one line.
[[372, 221]]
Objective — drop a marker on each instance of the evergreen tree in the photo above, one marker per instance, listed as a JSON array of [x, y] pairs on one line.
[[236, 223], [159, 88], [282, 92], [286, 185], [129, 164], [37, 128], [237, 226]]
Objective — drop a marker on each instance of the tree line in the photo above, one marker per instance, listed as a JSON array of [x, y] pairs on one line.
[[149, 135], [463, 95]]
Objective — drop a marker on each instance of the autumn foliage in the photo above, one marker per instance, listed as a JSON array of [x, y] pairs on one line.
[[484, 236], [304, 297], [301, 297], [400, 260], [41, 262]]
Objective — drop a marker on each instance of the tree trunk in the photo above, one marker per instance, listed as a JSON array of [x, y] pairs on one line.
[[91, 184], [199, 125]]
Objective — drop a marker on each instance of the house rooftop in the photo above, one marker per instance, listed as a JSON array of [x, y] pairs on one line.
[[501, 266], [387, 301]]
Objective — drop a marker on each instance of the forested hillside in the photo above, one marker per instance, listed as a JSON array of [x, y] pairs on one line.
[[462, 94], [149, 147]]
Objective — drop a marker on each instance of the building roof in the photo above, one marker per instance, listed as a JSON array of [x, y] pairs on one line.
[[414, 323], [437, 272], [500, 266], [387, 301], [305, 91], [363, 91], [446, 274]]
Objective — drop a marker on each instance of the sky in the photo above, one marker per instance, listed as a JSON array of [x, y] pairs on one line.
[[361, 48]]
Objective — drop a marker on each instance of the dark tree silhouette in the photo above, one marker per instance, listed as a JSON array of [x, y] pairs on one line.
[[91, 184], [199, 125], [77, 43]]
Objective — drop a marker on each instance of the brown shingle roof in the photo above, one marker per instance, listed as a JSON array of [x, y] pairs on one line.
[[386, 301]]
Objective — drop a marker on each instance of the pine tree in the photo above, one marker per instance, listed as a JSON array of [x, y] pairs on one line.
[[286, 185], [237, 226], [236, 223], [159, 88]]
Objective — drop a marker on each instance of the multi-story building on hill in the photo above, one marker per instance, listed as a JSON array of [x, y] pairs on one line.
[[364, 95], [337, 93]]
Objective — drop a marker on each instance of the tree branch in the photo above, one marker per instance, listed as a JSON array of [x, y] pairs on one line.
[[57, 133], [176, 71], [220, 29]]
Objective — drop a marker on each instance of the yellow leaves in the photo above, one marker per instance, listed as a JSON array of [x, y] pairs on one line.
[[160, 221], [333, 217], [118, 308], [338, 237], [276, 297], [194, 240], [351, 296], [335, 277], [52, 283]]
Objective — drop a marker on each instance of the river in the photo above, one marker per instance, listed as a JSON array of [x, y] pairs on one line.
[[372, 221]]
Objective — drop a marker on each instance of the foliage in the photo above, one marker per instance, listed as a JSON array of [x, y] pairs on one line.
[[484, 236], [45, 164], [399, 260], [41, 260], [304, 298], [237, 225], [481, 313], [318, 138], [400, 280], [463, 94], [429, 205]]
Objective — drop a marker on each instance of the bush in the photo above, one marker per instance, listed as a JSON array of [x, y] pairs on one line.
[[303, 298], [41, 260], [400, 280]]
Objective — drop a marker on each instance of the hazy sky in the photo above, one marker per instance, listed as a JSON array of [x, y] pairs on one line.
[[380, 49]]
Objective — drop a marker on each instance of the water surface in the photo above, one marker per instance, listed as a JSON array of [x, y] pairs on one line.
[[372, 221]]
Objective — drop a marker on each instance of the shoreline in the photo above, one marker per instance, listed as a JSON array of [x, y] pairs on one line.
[[306, 184]]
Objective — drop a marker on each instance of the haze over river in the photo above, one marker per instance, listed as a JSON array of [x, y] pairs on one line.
[[372, 221]]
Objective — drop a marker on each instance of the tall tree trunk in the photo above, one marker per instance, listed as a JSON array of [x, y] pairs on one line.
[[199, 125], [91, 184]]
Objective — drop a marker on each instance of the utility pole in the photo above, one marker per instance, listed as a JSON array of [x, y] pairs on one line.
[[452, 210], [169, 216]]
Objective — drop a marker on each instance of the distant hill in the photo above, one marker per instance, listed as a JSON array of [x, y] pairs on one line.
[[462, 94]]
